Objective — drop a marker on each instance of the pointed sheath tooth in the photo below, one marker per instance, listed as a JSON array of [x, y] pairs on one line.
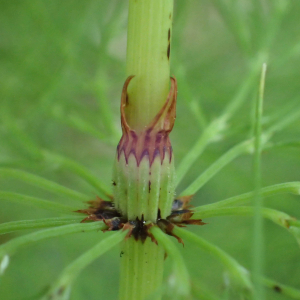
[[144, 175]]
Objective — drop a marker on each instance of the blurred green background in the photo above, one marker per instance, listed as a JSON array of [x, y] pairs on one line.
[[62, 67]]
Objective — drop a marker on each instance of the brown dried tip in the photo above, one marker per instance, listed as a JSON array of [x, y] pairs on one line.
[[167, 227], [154, 139], [181, 213]]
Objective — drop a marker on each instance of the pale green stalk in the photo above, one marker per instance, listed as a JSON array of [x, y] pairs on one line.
[[141, 269], [280, 288], [148, 54], [42, 183], [239, 274], [62, 285], [201, 293], [282, 219], [179, 281], [277, 189], [258, 234], [37, 202], [9, 248], [39, 223], [138, 188], [78, 169], [239, 149], [216, 127], [234, 152], [74, 120]]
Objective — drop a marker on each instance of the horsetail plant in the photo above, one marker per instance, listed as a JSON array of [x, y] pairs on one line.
[[140, 211]]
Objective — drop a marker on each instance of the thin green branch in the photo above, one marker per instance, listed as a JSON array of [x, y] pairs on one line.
[[278, 217], [37, 202], [281, 288], [284, 122], [141, 270], [9, 248], [282, 188], [236, 24], [181, 276], [201, 293], [217, 126], [258, 235], [46, 156], [69, 274], [239, 149], [79, 170], [206, 137], [238, 273], [224, 160], [74, 120], [42, 183], [39, 223]]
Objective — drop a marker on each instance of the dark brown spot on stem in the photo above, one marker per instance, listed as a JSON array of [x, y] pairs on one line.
[[168, 51], [149, 186], [114, 183], [61, 290], [277, 288]]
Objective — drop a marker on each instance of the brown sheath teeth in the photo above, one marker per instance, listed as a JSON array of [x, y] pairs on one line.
[[105, 211]]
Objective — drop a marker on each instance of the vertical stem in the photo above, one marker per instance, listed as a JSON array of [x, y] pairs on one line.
[[148, 52], [141, 269], [140, 184], [258, 246]]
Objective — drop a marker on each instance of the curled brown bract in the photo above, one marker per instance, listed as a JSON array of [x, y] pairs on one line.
[[154, 139]]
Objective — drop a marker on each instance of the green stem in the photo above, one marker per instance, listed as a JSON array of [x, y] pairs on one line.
[[217, 126], [281, 188], [281, 288], [141, 269], [69, 274], [37, 202], [276, 216], [206, 137], [239, 274], [148, 49], [42, 183], [9, 248], [181, 281], [141, 185], [39, 223], [78, 169], [258, 235], [230, 155]]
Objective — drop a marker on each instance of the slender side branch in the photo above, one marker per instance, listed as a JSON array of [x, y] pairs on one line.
[[278, 217], [182, 281], [258, 226], [239, 274], [37, 202], [69, 274], [42, 183], [281, 188], [9, 248], [79, 170], [39, 223], [224, 160]]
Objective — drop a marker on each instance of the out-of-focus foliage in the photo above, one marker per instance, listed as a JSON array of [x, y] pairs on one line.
[[62, 66]]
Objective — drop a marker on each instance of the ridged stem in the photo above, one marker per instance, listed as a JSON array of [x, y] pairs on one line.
[[148, 52], [141, 269], [145, 183]]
